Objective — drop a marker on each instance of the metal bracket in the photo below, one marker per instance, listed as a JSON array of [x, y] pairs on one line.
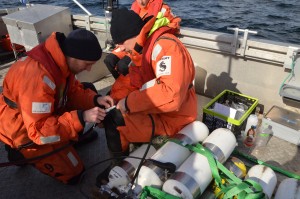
[[235, 40], [290, 57], [88, 22]]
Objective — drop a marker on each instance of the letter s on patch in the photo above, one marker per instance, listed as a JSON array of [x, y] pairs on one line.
[[163, 66], [41, 107]]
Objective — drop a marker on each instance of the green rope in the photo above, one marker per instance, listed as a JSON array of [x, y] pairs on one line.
[[247, 189], [242, 189], [289, 75]]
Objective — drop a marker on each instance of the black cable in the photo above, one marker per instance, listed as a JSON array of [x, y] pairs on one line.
[[121, 157], [25, 161], [143, 159], [146, 152]]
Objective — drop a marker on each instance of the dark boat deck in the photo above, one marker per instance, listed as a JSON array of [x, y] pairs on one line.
[[278, 153], [28, 183]]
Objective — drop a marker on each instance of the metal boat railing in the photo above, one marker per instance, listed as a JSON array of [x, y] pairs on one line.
[[274, 52], [234, 61]]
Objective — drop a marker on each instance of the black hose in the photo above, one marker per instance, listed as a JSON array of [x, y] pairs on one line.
[[146, 152], [25, 161]]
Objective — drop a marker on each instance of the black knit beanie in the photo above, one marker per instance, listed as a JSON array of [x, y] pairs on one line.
[[82, 44], [125, 24]]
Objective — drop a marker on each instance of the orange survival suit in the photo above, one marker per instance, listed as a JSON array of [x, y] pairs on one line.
[[38, 108], [152, 8], [167, 93], [122, 85]]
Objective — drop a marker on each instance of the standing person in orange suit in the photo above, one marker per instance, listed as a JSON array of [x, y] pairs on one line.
[[118, 62], [43, 107], [146, 8], [164, 78]]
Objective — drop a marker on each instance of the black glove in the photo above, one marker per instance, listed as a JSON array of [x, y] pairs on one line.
[[123, 64], [111, 61]]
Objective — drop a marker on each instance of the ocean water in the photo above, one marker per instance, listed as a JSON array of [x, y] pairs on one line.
[[277, 20]]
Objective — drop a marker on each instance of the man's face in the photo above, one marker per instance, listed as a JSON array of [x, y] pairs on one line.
[[127, 45], [77, 65], [142, 3]]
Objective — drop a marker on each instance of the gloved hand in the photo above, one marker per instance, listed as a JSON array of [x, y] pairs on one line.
[[111, 61], [142, 37], [123, 64]]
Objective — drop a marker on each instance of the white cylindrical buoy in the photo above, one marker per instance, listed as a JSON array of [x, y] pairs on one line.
[[288, 189], [152, 175], [265, 176], [139, 153], [196, 131], [191, 178], [194, 175], [121, 175], [221, 142]]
